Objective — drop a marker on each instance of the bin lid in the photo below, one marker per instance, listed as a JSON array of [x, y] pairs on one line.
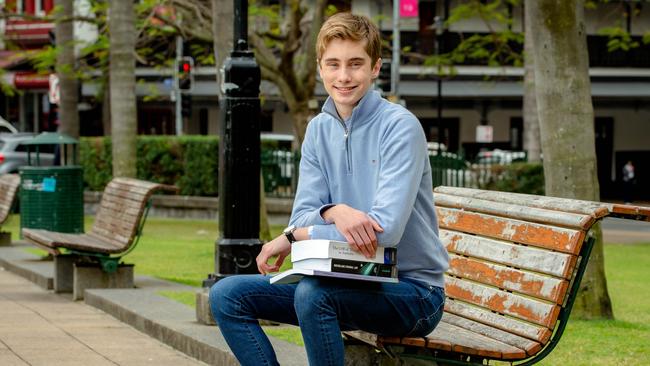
[[51, 138]]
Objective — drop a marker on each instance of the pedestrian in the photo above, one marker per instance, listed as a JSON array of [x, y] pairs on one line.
[[628, 182], [365, 179]]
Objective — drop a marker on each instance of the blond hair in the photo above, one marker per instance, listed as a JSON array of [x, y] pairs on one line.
[[347, 26]]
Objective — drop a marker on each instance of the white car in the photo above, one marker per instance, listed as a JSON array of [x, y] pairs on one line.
[[498, 156]]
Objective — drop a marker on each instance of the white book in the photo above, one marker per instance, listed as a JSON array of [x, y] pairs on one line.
[[318, 248], [294, 275]]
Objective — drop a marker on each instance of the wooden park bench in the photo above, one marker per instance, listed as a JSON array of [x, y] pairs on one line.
[[516, 262], [9, 184], [115, 232]]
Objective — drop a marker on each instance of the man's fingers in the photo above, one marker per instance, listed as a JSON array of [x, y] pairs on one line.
[[376, 225]]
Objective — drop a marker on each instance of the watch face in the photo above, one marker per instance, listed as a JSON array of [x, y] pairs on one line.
[[289, 230]]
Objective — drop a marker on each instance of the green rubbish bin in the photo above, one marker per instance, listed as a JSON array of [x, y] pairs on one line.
[[51, 197]]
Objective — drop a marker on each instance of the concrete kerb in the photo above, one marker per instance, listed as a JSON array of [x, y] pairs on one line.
[[161, 318]]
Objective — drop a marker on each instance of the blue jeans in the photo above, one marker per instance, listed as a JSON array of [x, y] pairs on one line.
[[322, 307]]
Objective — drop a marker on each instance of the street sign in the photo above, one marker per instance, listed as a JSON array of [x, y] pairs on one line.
[[408, 8], [484, 134]]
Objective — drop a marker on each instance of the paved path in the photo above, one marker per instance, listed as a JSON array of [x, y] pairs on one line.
[[38, 327]]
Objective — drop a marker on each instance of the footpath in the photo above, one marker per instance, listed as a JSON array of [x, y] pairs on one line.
[[109, 327], [39, 327]]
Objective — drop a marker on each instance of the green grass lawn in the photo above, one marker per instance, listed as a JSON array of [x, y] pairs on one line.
[[183, 251]]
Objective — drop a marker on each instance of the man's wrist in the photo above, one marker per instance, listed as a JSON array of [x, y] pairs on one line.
[[327, 213]]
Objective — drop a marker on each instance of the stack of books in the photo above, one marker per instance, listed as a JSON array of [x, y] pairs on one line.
[[331, 258]]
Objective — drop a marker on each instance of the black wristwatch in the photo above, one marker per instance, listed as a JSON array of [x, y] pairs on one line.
[[288, 232]]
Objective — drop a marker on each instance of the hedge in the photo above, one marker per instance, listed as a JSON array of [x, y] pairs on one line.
[[189, 162], [517, 177]]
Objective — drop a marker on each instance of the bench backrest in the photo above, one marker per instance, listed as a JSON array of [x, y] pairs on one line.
[[121, 210], [516, 262], [513, 258], [9, 184]]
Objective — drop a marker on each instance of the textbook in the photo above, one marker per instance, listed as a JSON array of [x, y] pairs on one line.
[[318, 248], [347, 266], [294, 275]]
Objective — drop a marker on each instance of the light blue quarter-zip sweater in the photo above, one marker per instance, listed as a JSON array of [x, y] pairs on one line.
[[376, 162]]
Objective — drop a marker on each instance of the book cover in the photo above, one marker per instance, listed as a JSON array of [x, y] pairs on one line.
[[317, 248], [294, 275], [347, 266]]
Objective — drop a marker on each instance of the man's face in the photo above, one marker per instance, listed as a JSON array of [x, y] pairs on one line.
[[347, 73]]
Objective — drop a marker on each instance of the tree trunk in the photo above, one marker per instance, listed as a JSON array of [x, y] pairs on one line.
[[300, 115], [65, 70], [122, 87], [566, 119], [531, 120], [106, 110], [222, 28]]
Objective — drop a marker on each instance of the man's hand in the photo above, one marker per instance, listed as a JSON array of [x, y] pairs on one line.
[[279, 246], [356, 226]]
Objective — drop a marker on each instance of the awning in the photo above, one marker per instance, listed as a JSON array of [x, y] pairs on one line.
[[28, 32]]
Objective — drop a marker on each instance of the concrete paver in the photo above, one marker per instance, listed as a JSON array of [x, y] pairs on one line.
[[38, 327]]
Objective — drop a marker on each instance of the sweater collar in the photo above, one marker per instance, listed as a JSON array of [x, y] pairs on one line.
[[366, 107]]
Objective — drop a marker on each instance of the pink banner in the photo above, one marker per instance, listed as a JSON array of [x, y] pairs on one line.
[[408, 8]]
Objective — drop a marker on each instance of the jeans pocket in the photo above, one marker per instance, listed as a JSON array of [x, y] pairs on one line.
[[432, 305]]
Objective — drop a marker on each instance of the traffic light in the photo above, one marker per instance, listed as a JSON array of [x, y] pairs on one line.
[[186, 105], [185, 73], [383, 80]]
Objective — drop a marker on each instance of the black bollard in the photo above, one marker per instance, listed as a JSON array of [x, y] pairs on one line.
[[239, 159]]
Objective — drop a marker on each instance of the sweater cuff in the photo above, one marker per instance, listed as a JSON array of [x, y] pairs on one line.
[[327, 231]]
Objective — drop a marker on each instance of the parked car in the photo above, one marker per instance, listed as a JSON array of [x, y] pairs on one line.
[[498, 156], [5, 126], [13, 154]]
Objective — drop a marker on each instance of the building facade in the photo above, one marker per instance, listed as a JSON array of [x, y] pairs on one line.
[[476, 95]]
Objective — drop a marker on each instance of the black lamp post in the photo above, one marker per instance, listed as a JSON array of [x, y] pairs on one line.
[[239, 158]]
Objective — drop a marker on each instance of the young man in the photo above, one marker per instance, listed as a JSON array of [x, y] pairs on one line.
[[365, 179]]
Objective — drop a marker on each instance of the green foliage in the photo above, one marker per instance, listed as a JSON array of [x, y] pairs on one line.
[[189, 162], [517, 177], [96, 159], [496, 48], [619, 39], [201, 166]]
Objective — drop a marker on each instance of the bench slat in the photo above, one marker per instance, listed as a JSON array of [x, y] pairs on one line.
[[511, 325], [527, 283], [516, 211], [9, 184], [524, 308], [539, 235], [531, 347], [519, 256], [468, 342], [70, 241], [595, 209]]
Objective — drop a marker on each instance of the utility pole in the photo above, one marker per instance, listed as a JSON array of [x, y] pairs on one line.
[[177, 89], [394, 77], [239, 158]]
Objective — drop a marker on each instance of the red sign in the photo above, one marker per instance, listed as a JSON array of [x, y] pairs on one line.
[[408, 8], [31, 80]]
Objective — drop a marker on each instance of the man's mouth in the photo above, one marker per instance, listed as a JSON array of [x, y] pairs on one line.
[[345, 88]]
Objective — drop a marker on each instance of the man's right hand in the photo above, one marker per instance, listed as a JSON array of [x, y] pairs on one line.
[[356, 226]]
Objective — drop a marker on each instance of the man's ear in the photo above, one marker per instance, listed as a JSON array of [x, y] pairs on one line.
[[320, 71], [375, 68]]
